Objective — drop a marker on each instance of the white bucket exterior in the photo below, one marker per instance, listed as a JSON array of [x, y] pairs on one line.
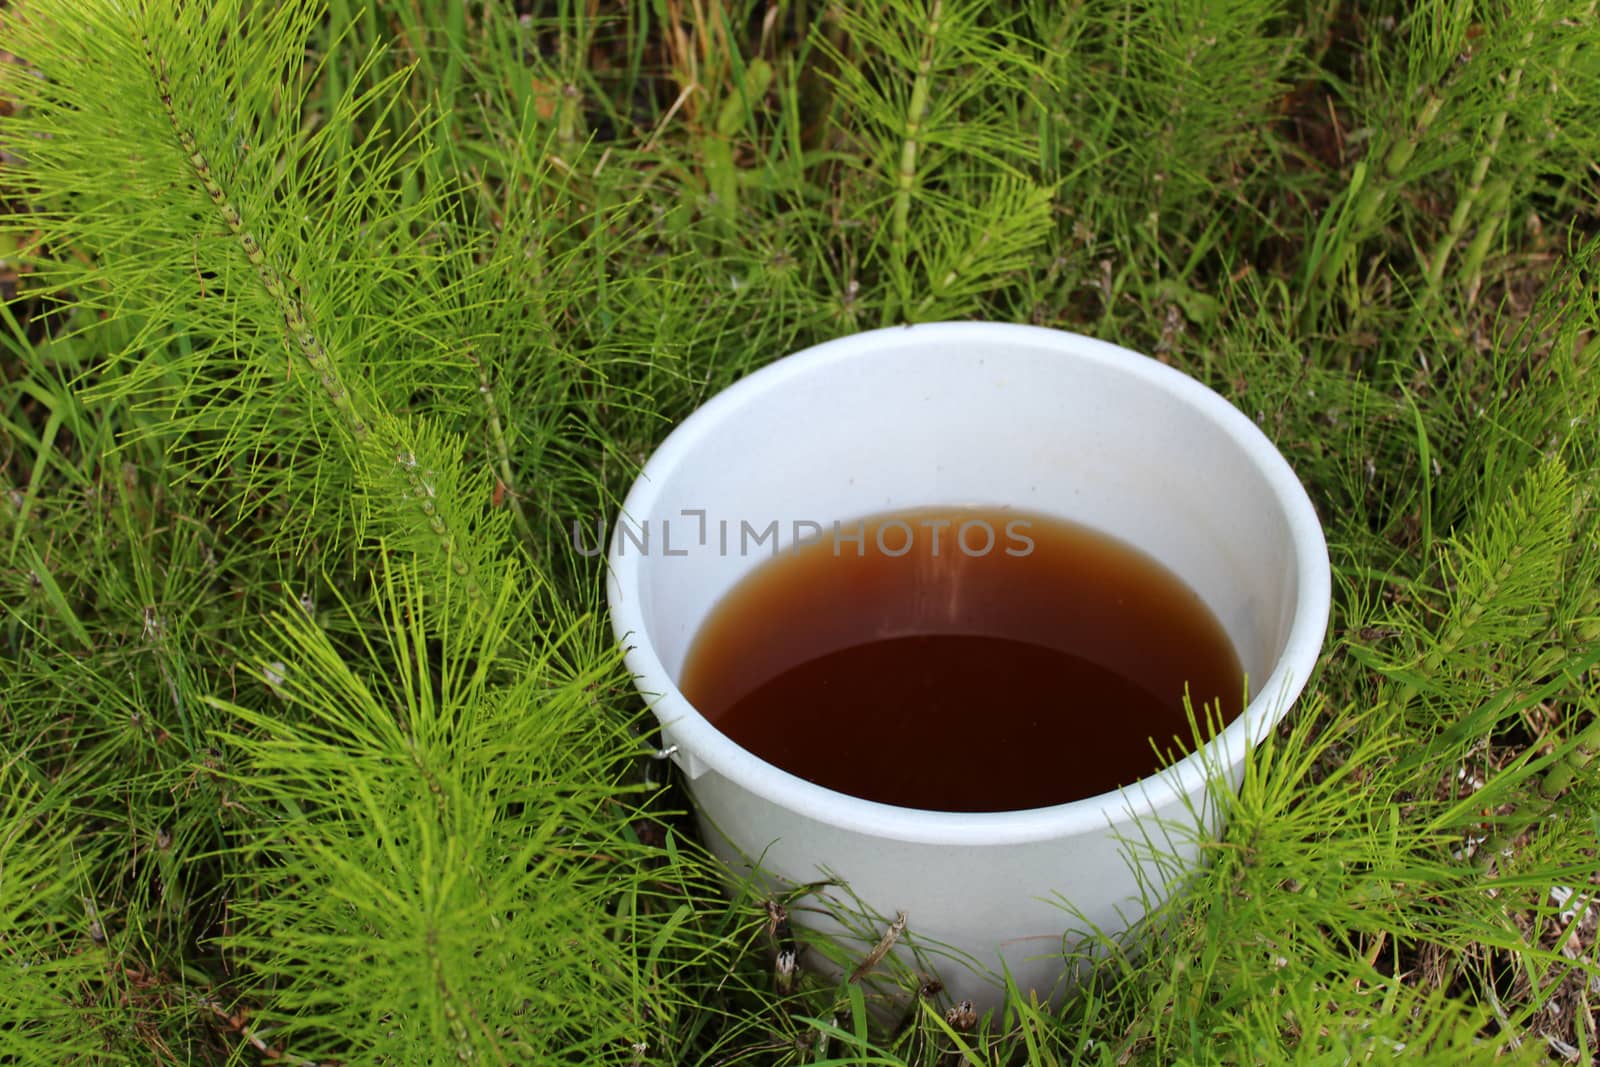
[[969, 414]]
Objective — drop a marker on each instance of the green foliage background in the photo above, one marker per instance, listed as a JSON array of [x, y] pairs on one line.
[[324, 321]]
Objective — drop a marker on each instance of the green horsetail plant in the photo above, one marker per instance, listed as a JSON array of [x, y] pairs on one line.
[[1473, 105], [406, 818], [433, 880], [400, 465], [45, 905], [920, 72]]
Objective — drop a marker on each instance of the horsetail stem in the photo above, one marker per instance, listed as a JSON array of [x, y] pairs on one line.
[[1480, 171], [1380, 185], [300, 335], [906, 177], [502, 452]]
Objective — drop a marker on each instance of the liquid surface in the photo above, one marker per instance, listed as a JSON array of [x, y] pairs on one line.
[[962, 660]]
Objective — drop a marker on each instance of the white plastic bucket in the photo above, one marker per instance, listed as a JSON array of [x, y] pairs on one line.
[[969, 414]]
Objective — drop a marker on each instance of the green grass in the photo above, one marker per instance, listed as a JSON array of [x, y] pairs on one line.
[[313, 744]]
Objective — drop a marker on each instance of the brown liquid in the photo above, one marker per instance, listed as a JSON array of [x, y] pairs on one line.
[[955, 679]]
